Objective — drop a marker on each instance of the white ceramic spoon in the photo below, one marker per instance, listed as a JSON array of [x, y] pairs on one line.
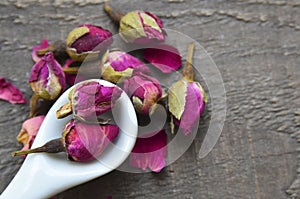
[[44, 175]]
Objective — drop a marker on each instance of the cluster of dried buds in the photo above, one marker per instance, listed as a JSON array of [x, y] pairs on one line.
[[54, 71], [85, 136]]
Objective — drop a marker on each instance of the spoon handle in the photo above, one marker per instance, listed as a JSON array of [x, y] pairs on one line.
[[32, 181]]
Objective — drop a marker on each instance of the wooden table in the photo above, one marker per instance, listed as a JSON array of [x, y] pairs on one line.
[[254, 43]]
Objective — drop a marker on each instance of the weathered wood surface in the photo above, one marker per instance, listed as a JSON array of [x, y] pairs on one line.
[[255, 44]]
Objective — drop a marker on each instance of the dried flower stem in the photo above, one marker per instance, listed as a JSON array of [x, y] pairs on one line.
[[33, 105], [115, 16], [71, 70], [53, 146], [188, 71]]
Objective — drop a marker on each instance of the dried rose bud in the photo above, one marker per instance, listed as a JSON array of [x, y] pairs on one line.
[[137, 26], [82, 142], [29, 131], [47, 78], [187, 98], [186, 103], [141, 27], [85, 142], [90, 99], [164, 57], [10, 93], [87, 41], [150, 151], [58, 48], [144, 90], [118, 65]]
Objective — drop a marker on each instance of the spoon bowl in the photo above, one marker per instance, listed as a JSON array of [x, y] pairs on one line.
[[44, 175]]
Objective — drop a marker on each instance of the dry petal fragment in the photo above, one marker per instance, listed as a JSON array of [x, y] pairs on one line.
[[10, 93], [29, 131], [150, 152], [164, 57]]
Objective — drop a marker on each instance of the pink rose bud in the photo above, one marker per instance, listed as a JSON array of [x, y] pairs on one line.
[[47, 78], [29, 131], [150, 152], [82, 142], [87, 41], [10, 93], [187, 98], [89, 100], [118, 65], [145, 91], [141, 27], [186, 103], [137, 26]]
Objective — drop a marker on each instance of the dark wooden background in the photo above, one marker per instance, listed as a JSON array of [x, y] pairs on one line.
[[254, 43]]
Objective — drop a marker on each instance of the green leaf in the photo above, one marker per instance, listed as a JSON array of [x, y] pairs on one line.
[[137, 103], [177, 94], [109, 74], [75, 34], [84, 56], [131, 27], [150, 22]]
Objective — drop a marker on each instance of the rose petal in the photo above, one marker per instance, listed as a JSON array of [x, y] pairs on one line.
[[44, 44], [150, 152], [165, 57], [10, 93], [158, 21], [120, 61], [29, 131], [32, 125], [194, 106]]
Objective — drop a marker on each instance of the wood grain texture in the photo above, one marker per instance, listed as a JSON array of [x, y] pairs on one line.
[[255, 44]]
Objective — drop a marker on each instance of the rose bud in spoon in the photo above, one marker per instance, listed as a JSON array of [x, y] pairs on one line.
[[82, 142]]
